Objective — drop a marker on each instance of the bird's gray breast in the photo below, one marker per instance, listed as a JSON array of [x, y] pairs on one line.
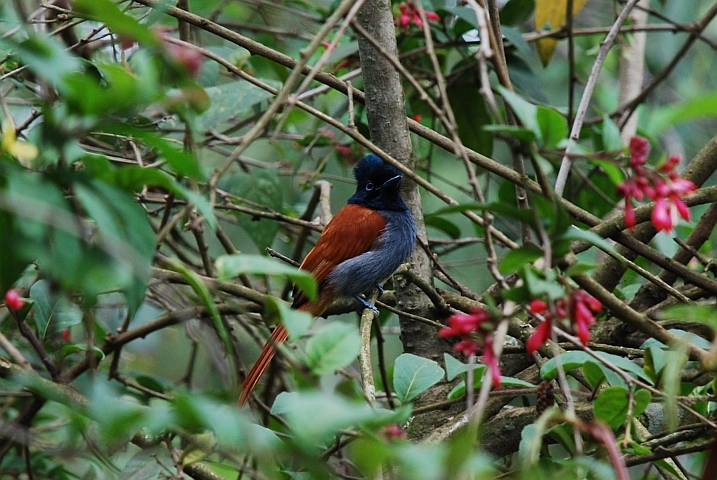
[[360, 274]]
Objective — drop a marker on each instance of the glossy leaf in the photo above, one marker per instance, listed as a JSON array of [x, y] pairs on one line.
[[336, 413], [334, 346], [612, 405], [107, 12], [471, 115], [575, 359], [518, 257], [296, 322], [413, 375], [230, 266], [52, 312]]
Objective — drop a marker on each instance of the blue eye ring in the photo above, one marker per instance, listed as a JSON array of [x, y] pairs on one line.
[[369, 186]]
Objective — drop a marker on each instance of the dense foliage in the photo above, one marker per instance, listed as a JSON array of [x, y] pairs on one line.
[[163, 167]]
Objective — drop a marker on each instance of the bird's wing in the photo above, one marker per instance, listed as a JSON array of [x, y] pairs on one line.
[[350, 233]]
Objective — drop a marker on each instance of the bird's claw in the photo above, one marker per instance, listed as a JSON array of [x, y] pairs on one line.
[[380, 289], [366, 304]]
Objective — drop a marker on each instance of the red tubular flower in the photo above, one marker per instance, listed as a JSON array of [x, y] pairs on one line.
[[662, 217], [663, 186], [639, 150], [491, 362], [630, 219], [583, 313], [433, 16], [463, 324], [467, 347], [540, 336], [474, 331], [670, 164]]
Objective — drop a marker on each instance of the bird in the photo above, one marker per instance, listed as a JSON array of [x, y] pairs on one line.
[[362, 245]]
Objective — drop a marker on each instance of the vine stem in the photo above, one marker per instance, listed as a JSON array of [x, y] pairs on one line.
[[605, 46]]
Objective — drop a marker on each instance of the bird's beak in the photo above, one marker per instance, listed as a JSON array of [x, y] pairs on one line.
[[395, 179]]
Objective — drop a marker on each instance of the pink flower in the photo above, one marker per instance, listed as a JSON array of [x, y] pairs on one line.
[[13, 300], [541, 335], [580, 308], [475, 332], [433, 16], [409, 13], [584, 308], [630, 219], [639, 150], [463, 324], [662, 185], [394, 431], [491, 362], [662, 215], [670, 164], [537, 306]]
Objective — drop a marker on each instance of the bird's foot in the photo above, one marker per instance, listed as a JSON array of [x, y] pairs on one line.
[[366, 304], [380, 289]]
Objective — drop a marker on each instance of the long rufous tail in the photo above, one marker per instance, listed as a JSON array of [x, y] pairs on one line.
[[278, 336]]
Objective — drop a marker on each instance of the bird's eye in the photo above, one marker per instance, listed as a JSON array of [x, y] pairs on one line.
[[369, 186]]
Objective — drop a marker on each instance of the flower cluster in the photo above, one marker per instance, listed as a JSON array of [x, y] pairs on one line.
[[475, 331], [663, 186], [409, 13], [580, 308]]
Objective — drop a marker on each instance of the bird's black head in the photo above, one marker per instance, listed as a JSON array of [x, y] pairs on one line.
[[377, 185]]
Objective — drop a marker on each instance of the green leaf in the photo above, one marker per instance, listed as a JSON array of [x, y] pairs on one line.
[[133, 178], [70, 349], [454, 367], [471, 115], [521, 133], [612, 405], [613, 172], [593, 374], [542, 282], [262, 187], [683, 336], [333, 347], [553, 127], [576, 359], [703, 106], [108, 13], [413, 375], [336, 413], [297, 323], [576, 233], [518, 257], [52, 312], [446, 226], [46, 57], [230, 266], [611, 138], [178, 160], [229, 101], [479, 374], [206, 297], [516, 12], [524, 110], [457, 209], [690, 313], [124, 230]]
